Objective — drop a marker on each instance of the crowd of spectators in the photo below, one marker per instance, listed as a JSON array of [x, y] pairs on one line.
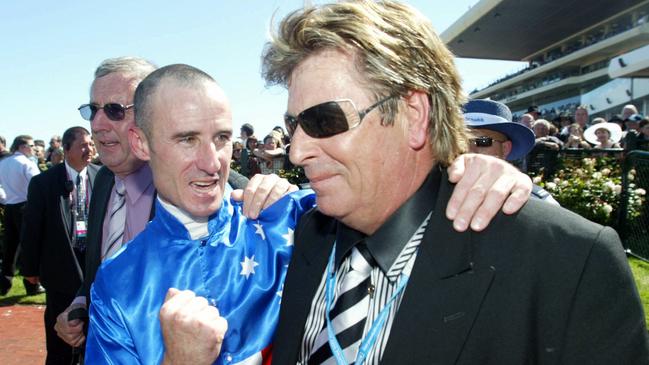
[[628, 130], [250, 157]]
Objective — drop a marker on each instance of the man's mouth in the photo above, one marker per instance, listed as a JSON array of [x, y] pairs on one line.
[[204, 186]]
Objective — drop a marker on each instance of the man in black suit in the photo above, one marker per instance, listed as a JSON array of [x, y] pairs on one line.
[[378, 272], [54, 230]]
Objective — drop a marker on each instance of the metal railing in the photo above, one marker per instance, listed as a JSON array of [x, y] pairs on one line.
[[634, 231]]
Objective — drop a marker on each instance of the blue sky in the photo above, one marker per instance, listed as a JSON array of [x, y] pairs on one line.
[[51, 48]]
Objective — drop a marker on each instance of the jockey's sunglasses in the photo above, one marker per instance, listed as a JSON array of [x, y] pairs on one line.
[[329, 118], [114, 111]]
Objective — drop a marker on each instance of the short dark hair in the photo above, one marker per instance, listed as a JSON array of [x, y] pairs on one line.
[[71, 135], [183, 74], [19, 141], [248, 128]]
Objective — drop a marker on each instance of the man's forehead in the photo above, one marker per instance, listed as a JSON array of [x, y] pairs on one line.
[[114, 85]]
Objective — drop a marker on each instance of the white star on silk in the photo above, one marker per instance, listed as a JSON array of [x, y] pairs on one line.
[[248, 266], [260, 230], [289, 238]]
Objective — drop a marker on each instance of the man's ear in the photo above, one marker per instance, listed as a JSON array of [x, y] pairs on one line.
[[139, 143], [507, 148], [417, 110]]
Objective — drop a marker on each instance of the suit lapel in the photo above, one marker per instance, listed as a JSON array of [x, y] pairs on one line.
[[65, 201], [314, 240], [443, 296]]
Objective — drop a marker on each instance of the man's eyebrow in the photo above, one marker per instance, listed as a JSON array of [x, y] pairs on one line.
[[185, 134]]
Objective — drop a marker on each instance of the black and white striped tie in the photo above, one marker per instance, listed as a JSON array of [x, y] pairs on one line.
[[117, 220], [349, 312]]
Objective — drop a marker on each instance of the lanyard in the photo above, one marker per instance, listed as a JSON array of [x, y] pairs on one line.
[[370, 339]]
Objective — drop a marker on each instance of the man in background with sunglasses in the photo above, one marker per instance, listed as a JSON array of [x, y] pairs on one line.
[[492, 132], [378, 274]]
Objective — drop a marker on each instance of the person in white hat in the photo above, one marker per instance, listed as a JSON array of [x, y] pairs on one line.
[[604, 135]]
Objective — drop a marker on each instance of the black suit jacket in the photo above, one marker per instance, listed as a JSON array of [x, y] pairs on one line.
[[543, 286], [46, 244]]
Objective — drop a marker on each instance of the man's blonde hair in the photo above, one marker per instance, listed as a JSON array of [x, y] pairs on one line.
[[395, 48]]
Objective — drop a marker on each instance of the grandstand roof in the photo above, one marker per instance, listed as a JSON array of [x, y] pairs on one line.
[[516, 29]]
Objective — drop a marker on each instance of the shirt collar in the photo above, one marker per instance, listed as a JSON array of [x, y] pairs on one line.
[[72, 173], [137, 182], [196, 226], [388, 241]]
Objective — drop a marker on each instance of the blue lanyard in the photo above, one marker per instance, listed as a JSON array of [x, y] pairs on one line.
[[370, 339]]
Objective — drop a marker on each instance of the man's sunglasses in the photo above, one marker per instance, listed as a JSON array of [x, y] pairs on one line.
[[113, 111], [329, 118], [483, 141]]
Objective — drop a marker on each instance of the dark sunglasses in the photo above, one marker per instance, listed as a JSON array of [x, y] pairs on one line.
[[329, 118], [113, 111], [483, 141]]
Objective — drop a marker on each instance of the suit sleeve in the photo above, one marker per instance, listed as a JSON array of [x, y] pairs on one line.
[[32, 229], [606, 323], [109, 341]]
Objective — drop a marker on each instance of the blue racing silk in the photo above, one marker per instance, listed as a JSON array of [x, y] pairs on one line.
[[239, 267]]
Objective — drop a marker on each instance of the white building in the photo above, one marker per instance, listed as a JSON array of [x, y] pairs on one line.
[[593, 53]]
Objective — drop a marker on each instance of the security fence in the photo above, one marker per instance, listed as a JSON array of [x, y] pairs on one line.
[[606, 186], [633, 226]]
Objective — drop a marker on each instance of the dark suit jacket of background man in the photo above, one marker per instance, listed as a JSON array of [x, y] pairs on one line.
[[521, 292], [46, 247], [48, 231], [98, 205]]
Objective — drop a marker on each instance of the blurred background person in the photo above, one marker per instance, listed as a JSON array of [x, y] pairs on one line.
[[54, 234], [604, 135], [541, 128], [246, 132], [55, 143], [15, 173], [56, 157], [271, 155], [581, 116], [576, 138], [628, 110]]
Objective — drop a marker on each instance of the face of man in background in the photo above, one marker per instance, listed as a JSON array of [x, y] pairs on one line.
[[541, 130], [500, 145], [190, 146], [527, 120], [80, 153], [111, 137], [27, 149], [581, 117], [55, 143]]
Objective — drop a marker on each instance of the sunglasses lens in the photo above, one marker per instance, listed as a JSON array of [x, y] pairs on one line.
[[88, 111], [291, 124], [114, 112], [483, 142], [324, 120]]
